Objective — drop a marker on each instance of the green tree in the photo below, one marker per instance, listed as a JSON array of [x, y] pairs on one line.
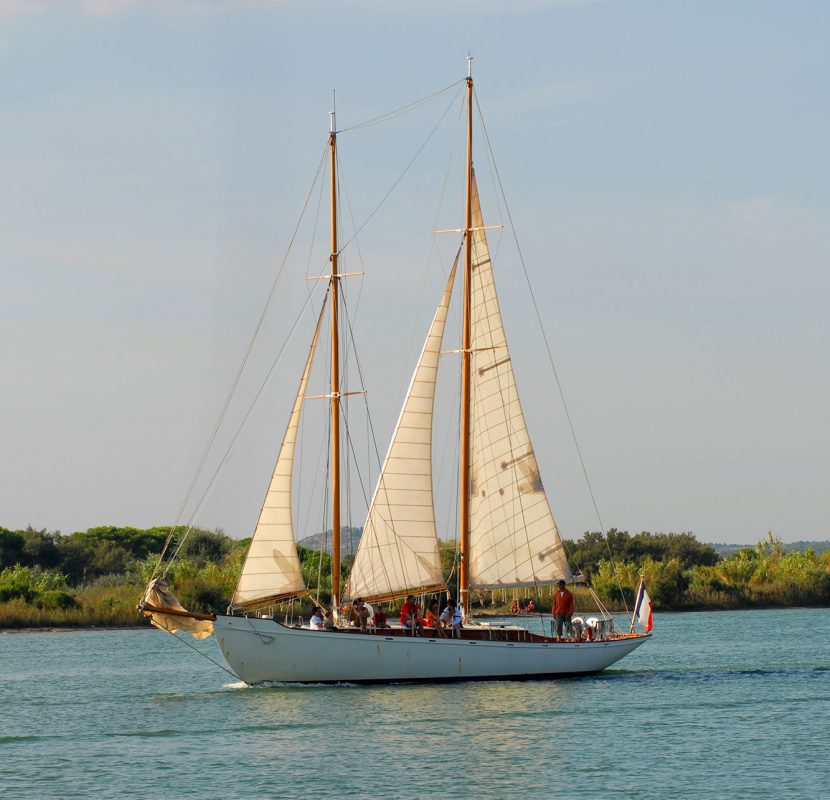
[[11, 548], [204, 547]]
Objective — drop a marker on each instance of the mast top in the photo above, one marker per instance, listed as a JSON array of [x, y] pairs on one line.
[[333, 113], [469, 65]]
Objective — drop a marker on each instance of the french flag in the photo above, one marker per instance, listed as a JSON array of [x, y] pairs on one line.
[[642, 610]]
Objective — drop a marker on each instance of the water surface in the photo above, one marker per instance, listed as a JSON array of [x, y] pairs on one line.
[[716, 705]]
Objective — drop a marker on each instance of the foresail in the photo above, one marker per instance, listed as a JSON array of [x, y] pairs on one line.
[[272, 566], [513, 537], [399, 547]]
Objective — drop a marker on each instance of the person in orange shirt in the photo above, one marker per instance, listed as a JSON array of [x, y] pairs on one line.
[[432, 619], [563, 609]]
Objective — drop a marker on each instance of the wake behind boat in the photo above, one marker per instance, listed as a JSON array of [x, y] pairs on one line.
[[507, 534]]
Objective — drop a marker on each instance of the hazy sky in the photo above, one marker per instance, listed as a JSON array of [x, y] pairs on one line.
[[667, 166]]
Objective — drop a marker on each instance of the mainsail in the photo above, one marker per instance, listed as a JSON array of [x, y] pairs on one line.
[[513, 537], [272, 567], [398, 550]]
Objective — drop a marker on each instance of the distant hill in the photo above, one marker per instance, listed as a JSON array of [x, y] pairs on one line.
[[727, 550], [349, 540]]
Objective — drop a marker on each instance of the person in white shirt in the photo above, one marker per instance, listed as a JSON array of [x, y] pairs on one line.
[[451, 617], [317, 621]]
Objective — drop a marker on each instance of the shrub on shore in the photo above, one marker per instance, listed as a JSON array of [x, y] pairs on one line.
[[92, 605], [679, 575]]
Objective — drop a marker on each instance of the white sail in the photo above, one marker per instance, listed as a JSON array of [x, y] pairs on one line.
[[513, 537], [398, 550], [272, 567]]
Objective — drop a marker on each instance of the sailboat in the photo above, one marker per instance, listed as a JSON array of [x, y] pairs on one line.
[[507, 533]]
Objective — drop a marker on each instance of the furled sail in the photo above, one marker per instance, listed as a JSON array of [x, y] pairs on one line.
[[398, 550], [272, 567], [513, 537], [166, 613]]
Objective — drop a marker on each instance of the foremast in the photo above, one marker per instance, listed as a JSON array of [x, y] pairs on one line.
[[466, 354], [335, 379]]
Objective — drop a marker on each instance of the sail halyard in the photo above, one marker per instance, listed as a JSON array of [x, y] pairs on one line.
[[272, 570], [514, 540], [398, 550]]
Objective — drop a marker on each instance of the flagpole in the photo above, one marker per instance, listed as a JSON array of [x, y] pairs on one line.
[[638, 600]]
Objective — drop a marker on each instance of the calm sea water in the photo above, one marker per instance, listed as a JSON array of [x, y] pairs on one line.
[[717, 705]]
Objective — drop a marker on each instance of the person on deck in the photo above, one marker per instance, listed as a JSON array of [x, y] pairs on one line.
[[379, 619], [359, 615], [410, 615], [451, 617], [530, 606], [563, 609], [433, 619], [316, 622]]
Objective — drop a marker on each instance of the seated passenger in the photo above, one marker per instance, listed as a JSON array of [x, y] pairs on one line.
[[433, 619], [359, 615], [451, 617], [379, 620], [410, 616], [316, 622], [329, 622]]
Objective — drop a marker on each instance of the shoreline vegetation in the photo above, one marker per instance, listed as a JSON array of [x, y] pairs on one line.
[[94, 578]]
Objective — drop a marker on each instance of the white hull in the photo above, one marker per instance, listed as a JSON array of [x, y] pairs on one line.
[[262, 650]]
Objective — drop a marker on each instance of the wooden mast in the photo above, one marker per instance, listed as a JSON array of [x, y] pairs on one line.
[[335, 381], [465, 358]]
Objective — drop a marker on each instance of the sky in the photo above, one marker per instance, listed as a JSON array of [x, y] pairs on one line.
[[666, 166]]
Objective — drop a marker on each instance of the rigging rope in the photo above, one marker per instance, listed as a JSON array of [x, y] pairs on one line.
[[434, 248], [401, 176], [390, 115], [240, 429], [320, 167], [205, 655], [240, 370], [369, 421], [547, 343]]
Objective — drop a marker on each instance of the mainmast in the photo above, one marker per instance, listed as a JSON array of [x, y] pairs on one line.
[[335, 381], [466, 356]]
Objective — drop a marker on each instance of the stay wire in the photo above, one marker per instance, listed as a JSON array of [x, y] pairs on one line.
[[547, 343], [242, 424], [401, 176], [381, 484], [204, 655], [316, 219], [434, 248], [241, 368], [390, 115], [343, 189]]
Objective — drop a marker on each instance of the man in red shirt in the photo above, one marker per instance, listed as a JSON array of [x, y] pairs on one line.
[[410, 617], [563, 609]]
